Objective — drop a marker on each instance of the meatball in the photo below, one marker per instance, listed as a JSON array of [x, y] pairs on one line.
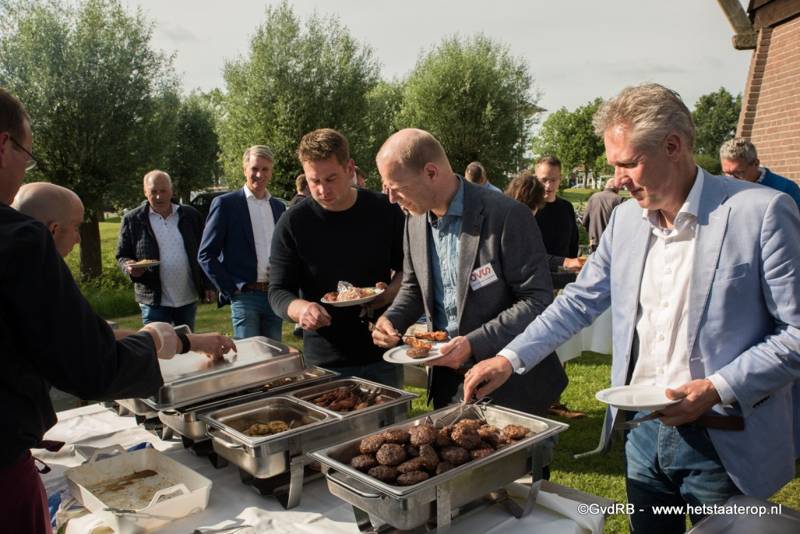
[[371, 444], [515, 432], [455, 455], [465, 437], [364, 462], [383, 473], [391, 454], [443, 437], [491, 435], [429, 457], [414, 464], [443, 467], [414, 477], [398, 435], [412, 451], [472, 424], [422, 434], [477, 454]]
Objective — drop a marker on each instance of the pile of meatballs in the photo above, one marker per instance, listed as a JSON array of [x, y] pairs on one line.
[[347, 399], [407, 457]]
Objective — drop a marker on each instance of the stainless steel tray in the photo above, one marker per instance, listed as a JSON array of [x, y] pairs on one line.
[[410, 507], [190, 378], [185, 421], [389, 397], [270, 456]]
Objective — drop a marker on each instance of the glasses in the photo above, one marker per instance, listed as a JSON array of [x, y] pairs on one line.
[[31, 160]]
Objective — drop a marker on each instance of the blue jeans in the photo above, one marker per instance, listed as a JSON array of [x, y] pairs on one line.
[[166, 314], [672, 466], [389, 374], [251, 316]]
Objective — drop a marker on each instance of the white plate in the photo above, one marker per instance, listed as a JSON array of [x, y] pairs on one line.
[[636, 398], [398, 355], [354, 302]]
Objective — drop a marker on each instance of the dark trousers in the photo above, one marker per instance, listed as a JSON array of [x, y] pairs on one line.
[[23, 501]]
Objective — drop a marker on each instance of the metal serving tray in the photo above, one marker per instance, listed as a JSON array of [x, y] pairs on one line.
[[184, 420], [192, 377], [436, 498], [271, 456]]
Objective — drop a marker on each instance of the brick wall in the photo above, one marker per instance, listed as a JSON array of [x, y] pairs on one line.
[[770, 115]]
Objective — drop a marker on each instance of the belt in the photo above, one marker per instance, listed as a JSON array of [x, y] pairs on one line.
[[263, 287], [719, 422]]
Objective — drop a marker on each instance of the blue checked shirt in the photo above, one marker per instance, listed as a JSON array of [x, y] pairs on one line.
[[443, 251]]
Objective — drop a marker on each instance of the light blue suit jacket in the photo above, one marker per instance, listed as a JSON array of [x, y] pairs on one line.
[[744, 317]]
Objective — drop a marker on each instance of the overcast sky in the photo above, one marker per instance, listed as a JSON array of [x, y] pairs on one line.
[[575, 50]]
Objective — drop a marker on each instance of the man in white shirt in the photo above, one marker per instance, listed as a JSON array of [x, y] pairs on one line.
[[700, 276], [236, 245], [161, 230]]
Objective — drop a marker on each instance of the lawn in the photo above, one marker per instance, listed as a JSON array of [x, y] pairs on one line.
[[600, 474]]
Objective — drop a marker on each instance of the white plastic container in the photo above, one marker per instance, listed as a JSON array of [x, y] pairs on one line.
[[151, 489]]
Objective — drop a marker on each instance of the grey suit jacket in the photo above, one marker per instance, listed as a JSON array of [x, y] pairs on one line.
[[500, 232]]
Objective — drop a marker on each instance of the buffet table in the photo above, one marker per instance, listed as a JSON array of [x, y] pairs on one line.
[[88, 428]]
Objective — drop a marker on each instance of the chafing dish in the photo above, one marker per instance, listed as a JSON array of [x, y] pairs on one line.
[[184, 420], [192, 377], [285, 454], [440, 497]]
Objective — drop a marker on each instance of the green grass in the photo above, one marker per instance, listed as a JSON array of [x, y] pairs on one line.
[[601, 475]]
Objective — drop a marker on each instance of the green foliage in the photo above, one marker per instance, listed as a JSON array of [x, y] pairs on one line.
[[570, 136], [476, 99], [296, 78], [715, 116], [709, 163], [193, 156]]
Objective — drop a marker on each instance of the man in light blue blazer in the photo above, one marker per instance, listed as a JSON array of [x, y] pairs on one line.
[[701, 274], [235, 249]]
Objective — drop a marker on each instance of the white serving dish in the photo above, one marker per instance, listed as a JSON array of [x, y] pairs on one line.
[[176, 490]]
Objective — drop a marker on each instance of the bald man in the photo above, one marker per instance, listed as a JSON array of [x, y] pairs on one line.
[[58, 208], [161, 230], [468, 268]]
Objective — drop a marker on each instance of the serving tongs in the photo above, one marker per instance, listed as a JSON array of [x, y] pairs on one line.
[[476, 408]]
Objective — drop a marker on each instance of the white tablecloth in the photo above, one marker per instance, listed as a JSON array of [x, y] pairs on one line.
[[595, 338], [320, 512]]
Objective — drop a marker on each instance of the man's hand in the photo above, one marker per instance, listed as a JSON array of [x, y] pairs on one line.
[[573, 264], [213, 345], [384, 334], [135, 272], [698, 397], [313, 317], [382, 300], [454, 353], [486, 376], [209, 296]]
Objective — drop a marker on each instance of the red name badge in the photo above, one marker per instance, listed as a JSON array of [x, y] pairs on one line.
[[482, 276]]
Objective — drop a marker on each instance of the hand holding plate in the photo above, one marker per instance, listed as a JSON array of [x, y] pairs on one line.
[[698, 397]]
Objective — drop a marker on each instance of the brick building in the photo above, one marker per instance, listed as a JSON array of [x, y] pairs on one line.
[[770, 115]]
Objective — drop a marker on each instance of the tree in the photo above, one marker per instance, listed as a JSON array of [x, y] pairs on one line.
[[476, 99], [570, 136], [98, 95], [715, 116], [192, 159], [294, 80]]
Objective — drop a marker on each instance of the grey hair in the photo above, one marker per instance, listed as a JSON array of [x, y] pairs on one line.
[[738, 148], [652, 111], [155, 172], [259, 151]]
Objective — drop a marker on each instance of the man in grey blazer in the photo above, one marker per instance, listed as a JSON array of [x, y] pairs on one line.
[[701, 274], [474, 266]]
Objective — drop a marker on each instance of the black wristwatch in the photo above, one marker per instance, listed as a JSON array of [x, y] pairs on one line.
[[183, 332]]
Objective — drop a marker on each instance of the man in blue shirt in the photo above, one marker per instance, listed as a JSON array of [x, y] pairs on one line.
[[739, 159]]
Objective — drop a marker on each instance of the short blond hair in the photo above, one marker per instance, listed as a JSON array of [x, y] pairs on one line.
[[652, 111], [259, 151]]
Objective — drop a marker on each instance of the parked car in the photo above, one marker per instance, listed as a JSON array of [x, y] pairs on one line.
[[202, 200]]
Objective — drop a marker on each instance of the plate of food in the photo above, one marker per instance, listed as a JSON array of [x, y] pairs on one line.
[[143, 264], [350, 295], [419, 348], [636, 398]]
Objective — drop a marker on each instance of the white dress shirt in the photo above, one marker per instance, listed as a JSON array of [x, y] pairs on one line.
[[263, 224], [177, 288]]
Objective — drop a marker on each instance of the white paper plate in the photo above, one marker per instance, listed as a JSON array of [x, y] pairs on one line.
[[636, 398], [398, 355], [354, 302]]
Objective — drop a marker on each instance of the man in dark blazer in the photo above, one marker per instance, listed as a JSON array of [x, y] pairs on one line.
[[236, 245], [468, 267]]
